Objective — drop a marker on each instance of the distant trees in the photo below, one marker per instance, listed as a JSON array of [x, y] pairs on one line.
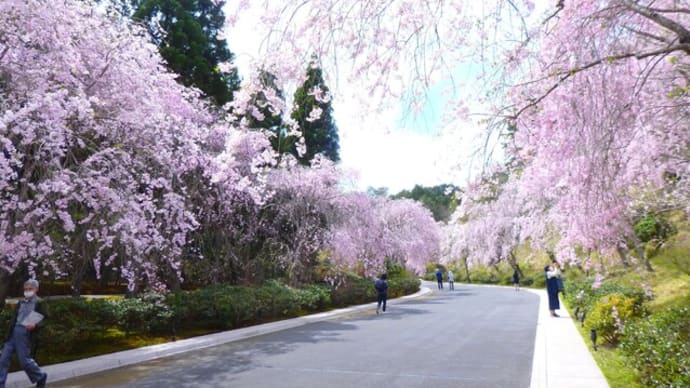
[[441, 200]]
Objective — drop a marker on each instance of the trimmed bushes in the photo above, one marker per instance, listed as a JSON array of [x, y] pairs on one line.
[[401, 286], [225, 307]]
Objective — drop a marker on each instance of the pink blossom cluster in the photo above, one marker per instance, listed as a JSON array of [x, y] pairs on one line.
[[374, 229]]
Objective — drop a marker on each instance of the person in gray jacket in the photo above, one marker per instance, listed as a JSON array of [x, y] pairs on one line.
[[28, 317]]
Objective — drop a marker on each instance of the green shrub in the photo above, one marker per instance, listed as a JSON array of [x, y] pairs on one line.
[[402, 286], [355, 290], [395, 270], [147, 314], [651, 227], [483, 274], [5, 319], [659, 348], [74, 321], [315, 297], [223, 307], [609, 315], [581, 294]]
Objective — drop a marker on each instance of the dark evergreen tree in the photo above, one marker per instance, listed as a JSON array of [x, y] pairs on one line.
[[186, 32], [442, 200], [272, 121], [320, 134]]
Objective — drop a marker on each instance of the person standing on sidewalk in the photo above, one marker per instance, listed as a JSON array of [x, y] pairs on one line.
[[451, 280], [28, 317], [439, 278], [381, 286], [516, 280], [552, 273]]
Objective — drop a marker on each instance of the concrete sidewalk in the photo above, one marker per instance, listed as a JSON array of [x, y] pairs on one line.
[[67, 370], [561, 357]]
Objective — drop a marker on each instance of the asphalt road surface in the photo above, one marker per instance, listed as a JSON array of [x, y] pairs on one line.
[[472, 337]]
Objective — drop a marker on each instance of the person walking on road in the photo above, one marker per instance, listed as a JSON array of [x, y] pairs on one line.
[[516, 280], [439, 278], [381, 286], [451, 280], [28, 317], [552, 273]]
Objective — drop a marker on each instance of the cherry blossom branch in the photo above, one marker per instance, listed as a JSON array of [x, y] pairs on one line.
[[679, 29], [609, 59]]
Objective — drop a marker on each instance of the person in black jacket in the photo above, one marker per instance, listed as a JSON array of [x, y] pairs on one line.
[[381, 286], [516, 280], [29, 315]]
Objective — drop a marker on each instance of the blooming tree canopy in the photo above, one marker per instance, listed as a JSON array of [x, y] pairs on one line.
[[98, 142], [374, 229], [593, 94]]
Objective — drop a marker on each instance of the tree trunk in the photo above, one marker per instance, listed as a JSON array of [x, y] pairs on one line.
[[4, 286], [623, 255], [514, 264], [467, 269], [77, 278], [639, 247]]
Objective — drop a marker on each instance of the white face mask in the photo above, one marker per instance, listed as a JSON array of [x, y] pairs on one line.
[[29, 294]]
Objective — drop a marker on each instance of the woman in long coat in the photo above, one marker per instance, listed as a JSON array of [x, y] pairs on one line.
[[552, 274]]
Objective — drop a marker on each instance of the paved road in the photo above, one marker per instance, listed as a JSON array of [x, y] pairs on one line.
[[472, 337]]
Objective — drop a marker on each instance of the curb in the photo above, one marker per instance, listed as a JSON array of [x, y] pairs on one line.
[[68, 370], [539, 378]]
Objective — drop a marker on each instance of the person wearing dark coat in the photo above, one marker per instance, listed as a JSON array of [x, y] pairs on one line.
[[28, 317], [552, 275], [516, 280], [381, 286], [439, 278]]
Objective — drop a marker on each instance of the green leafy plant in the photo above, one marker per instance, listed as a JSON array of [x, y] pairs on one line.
[[609, 315], [659, 347]]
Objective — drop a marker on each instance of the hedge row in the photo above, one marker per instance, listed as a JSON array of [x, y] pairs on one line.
[[76, 324]]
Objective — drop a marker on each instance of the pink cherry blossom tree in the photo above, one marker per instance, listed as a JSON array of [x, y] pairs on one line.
[[98, 146], [374, 229]]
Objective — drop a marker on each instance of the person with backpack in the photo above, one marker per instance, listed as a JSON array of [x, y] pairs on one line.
[[381, 286]]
